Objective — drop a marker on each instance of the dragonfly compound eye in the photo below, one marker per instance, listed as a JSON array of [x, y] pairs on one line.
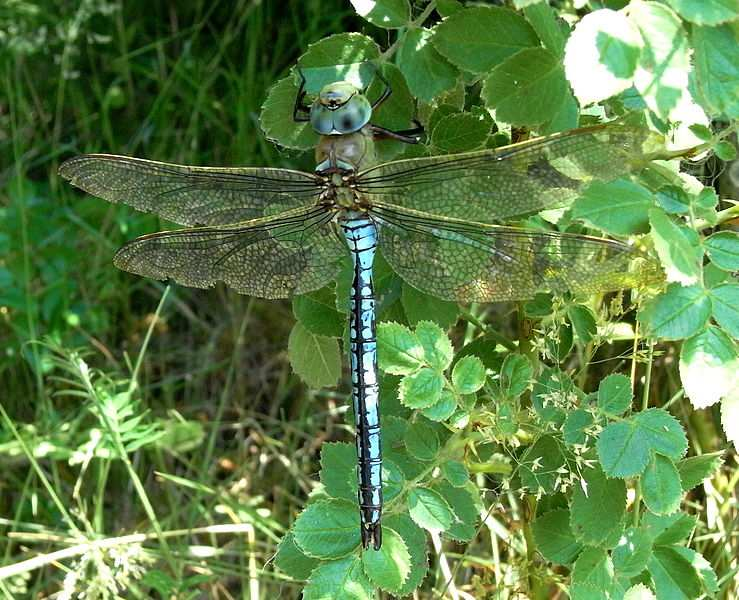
[[340, 108]]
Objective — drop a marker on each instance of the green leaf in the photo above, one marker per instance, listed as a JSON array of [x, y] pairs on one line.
[[668, 529], [389, 14], [678, 313], [708, 367], [576, 424], [338, 57], [618, 207], [592, 575], [339, 580], [615, 395], [290, 560], [714, 57], [639, 592], [680, 256], [726, 307], [625, 447], [317, 312], [327, 529], [583, 322], [421, 389], [476, 39], [515, 375], [702, 567], [706, 12], [551, 30], [422, 307], [528, 87], [597, 515], [455, 472], [388, 568], [553, 390], [673, 199], [443, 409], [429, 510], [540, 463], [437, 347], [463, 506], [673, 575], [415, 540], [723, 250], [338, 469], [421, 441], [661, 76], [460, 132], [427, 72], [554, 538], [399, 350], [631, 554], [448, 7], [468, 375], [315, 358], [661, 486], [601, 55], [694, 470], [276, 118]]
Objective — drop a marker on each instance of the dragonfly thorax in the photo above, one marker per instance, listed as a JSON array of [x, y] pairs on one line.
[[340, 108]]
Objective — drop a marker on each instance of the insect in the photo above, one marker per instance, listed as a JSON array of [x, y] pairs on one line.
[[274, 233]]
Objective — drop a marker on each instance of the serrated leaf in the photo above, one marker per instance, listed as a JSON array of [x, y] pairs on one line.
[[725, 299], [678, 313], [515, 375], [639, 592], [694, 470], [276, 121], [673, 199], [702, 567], [476, 39], [714, 56], [327, 529], [415, 540], [592, 575], [680, 255], [338, 55], [468, 375], [338, 469], [317, 312], [614, 394], [540, 463], [554, 538], [455, 472], [661, 75], [389, 14], [583, 322], [427, 72], [673, 575], [661, 488], [620, 207], [706, 12], [576, 424], [421, 389], [550, 392], [708, 367], [631, 554], [291, 560], [443, 409], [726, 151], [315, 358], [551, 30], [429, 510], [598, 515], [666, 530], [625, 447], [422, 307], [460, 132], [399, 351], [462, 503], [388, 568], [526, 88], [342, 579], [723, 250], [601, 55], [421, 441], [437, 347]]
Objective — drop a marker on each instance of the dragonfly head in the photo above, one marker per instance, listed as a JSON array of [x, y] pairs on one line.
[[340, 108]]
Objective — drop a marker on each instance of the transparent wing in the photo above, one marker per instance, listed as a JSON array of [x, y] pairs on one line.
[[274, 257], [192, 195], [474, 262], [489, 186]]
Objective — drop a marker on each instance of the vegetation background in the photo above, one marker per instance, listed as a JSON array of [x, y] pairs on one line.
[[174, 417]]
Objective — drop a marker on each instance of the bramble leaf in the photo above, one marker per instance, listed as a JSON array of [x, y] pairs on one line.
[[598, 515], [421, 389], [315, 358], [678, 313], [708, 367], [468, 375], [389, 567], [342, 579], [661, 486], [327, 529], [554, 538], [614, 394], [399, 350], [429, 510]]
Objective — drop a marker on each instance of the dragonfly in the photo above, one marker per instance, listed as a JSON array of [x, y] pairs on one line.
[[438, 220]]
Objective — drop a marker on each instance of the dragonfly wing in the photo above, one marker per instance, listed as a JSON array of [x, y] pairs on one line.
[[489, 186], [274, 257], [192, 195], [474, 262]]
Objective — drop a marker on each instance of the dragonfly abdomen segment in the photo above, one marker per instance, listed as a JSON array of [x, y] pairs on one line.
[[361, 235]]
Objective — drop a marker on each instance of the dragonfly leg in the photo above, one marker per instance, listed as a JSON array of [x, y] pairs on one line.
[[301, 111], [408, 136], [385, 93]]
